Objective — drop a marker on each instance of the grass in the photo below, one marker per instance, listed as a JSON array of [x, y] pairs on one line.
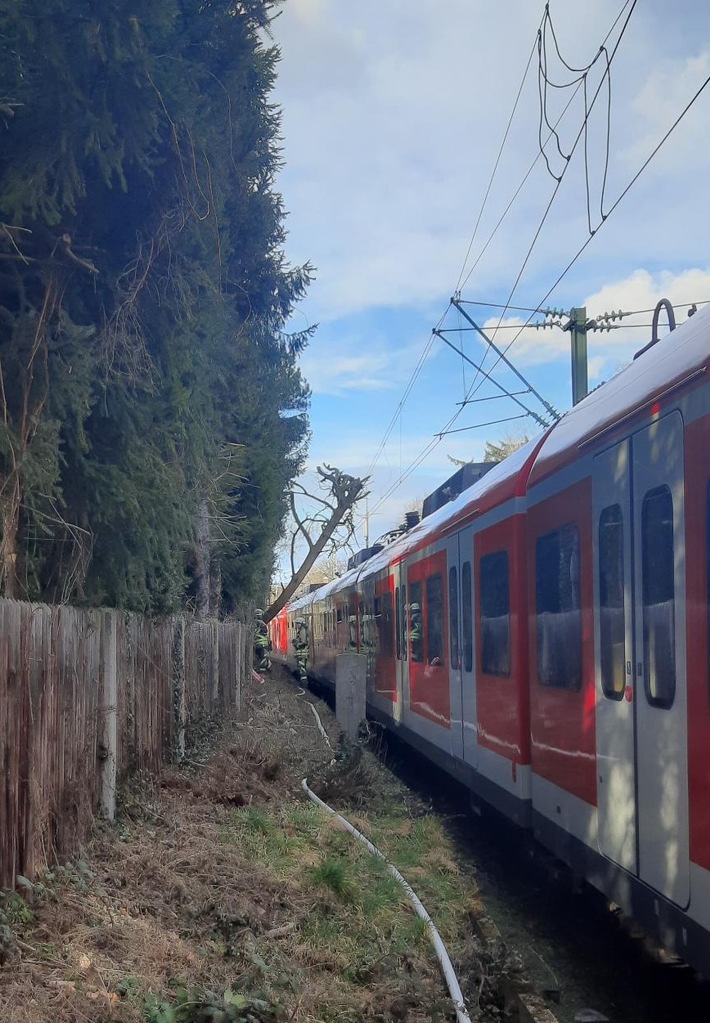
[[226, 895], [359, 924]]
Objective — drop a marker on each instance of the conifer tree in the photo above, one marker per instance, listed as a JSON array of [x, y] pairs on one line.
[[144, 374]]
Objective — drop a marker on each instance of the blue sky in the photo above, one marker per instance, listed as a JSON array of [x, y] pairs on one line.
[[394, 112]]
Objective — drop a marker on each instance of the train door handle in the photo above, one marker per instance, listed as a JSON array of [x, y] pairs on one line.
[[628, 667]]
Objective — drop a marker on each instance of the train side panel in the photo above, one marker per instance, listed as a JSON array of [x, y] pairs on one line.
[[501, 659], [561, 666]]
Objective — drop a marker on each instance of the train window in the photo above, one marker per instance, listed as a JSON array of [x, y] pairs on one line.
[[397, 623], [612, 626], [415, 621], [454, 616], [352, 626], [467, 615], [658, 585], [435, 619], [386, 633], [495, 614], [558, 609], [404, 623]]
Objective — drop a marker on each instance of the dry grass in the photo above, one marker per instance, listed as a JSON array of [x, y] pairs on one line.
[[223, 878]]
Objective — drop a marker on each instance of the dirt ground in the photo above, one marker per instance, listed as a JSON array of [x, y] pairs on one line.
[[176, 914]]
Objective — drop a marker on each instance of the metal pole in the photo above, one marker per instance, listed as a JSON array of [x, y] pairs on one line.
[[555, 415], [508, 394], [577, 327]]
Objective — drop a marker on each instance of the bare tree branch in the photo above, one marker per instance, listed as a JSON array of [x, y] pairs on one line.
[[345, 491]]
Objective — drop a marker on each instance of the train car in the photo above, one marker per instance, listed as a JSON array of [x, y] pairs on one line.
[[618, 531], [452, 681], [544, 638]]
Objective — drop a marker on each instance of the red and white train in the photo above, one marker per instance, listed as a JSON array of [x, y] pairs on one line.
[[563, 668]]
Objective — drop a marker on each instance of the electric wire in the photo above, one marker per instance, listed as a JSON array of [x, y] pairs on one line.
[[618, 200], [516, 193], [495, 166], [475, 386], [427, 348], [407, 391], [559, 182]]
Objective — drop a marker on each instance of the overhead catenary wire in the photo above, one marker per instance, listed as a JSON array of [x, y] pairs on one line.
[[461, 284], [427, 349], [497, 162], [616, 203], [574, 146], [407, 391], [507, 393], [404, 475], [542, 146], [475, 385], [478, 426]]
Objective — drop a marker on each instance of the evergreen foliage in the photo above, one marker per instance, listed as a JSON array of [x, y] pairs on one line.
[[146, 383]]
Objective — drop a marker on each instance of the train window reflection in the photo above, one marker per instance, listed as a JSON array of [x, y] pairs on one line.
[[467, 615], [435, 620], [558, 609], [658, 584], [403, 621], [386, 626], [397, 623], [612, 625], [415, 621], [454, 616], [495, 614]]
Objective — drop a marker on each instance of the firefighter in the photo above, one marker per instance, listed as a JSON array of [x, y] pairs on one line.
[[300, 645], [262, 643]]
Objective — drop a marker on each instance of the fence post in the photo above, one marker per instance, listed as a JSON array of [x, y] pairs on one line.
[[214, 693], [108, 712], [179, 697]]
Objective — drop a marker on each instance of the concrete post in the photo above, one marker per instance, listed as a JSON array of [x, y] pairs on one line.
[[350, 689], [109, 739]]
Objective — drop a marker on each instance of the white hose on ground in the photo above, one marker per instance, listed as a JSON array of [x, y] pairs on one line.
[[439, 947], [321, 729]]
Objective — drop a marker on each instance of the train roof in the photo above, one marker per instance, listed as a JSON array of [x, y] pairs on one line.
[[503, 482], [678, 358]]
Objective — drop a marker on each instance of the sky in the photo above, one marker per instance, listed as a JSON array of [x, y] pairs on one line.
[[420, 163]]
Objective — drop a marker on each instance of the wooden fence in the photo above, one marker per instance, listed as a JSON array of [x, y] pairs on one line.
[[87, 697]]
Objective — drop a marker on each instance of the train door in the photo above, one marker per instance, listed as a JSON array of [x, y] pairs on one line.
[[642, 734], [400, 638], [454, 652], [469, 709]]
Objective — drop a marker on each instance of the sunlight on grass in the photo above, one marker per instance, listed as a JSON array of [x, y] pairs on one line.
[[358, 921]]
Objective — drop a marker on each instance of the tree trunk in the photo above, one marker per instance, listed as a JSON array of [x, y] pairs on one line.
[[308, 562], [202, 561], [8, 545]]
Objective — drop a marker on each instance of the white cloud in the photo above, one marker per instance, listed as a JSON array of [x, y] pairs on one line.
[[338, 374], [392, 124], [640, 290], [669, 87]]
